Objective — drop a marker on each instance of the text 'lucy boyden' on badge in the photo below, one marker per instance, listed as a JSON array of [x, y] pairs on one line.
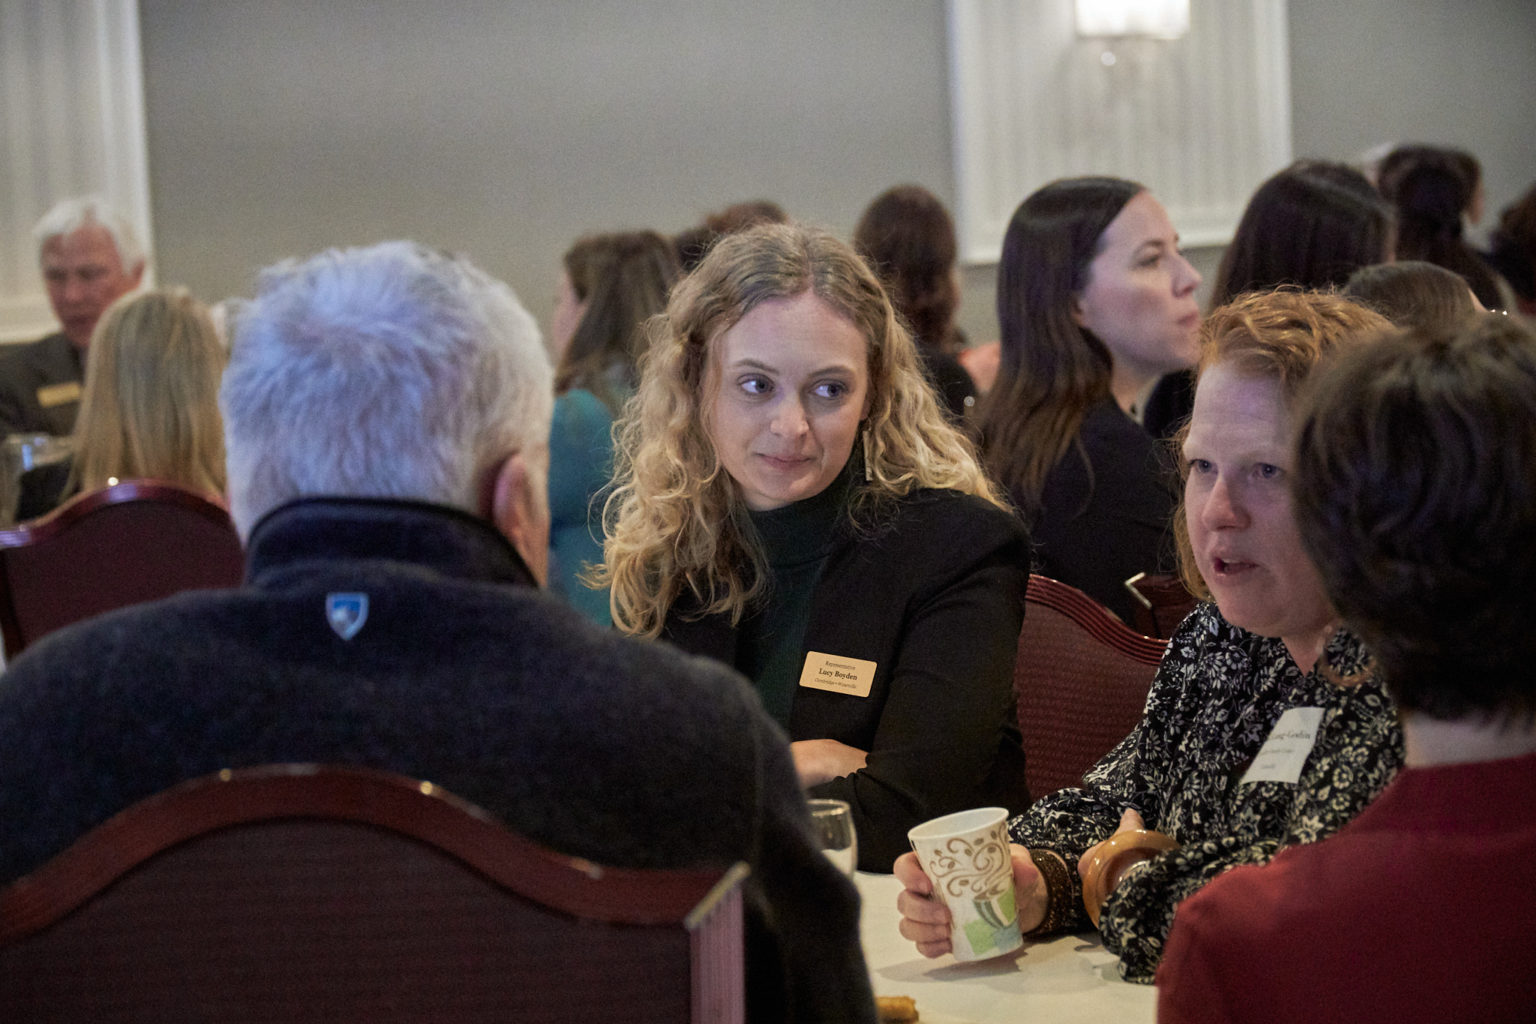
[[346, 613], [839, 675], [1284, 754]]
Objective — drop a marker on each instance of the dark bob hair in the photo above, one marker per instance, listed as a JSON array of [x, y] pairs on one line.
[[1415, 498]]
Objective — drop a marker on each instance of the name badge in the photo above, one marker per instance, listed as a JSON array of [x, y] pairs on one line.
[[58, 394], [839, 675], [1283, 755]]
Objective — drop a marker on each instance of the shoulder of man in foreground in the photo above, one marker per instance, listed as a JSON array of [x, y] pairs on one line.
[[614, 749]]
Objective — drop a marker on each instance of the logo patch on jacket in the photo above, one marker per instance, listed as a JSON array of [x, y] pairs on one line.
[[346, 613]]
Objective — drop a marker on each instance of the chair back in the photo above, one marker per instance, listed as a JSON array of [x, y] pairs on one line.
[[139, 540], [1081, 683], [1162, 602], [304, 893]]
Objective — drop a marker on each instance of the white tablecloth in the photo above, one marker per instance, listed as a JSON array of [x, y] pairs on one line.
[[1065, 979]]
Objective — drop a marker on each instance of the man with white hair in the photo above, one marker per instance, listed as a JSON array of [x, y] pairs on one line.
[[387, 417], [89, 258]]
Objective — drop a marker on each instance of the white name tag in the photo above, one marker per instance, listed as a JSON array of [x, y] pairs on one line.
[[840, 675], [1285, 752]]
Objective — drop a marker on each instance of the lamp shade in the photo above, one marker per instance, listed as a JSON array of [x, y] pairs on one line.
[[1151, 19]]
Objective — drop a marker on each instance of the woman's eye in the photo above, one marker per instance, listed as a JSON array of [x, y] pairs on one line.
[[830, 389], [1199, 465], [756, 385], [1268, 471]]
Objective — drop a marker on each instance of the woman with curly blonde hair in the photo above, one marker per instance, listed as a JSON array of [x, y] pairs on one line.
[[792, 500]]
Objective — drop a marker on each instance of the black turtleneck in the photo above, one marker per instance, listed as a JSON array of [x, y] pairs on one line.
[[796, 541]]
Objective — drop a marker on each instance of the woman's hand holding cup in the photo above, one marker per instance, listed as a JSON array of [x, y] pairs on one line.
[[925, 920]]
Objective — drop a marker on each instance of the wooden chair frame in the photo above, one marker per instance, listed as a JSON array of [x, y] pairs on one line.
[[1098, 621], [1162, 602], [706, 905], [29, 611], [1065, 730]]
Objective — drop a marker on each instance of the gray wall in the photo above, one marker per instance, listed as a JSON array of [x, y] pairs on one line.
[[506, 129]]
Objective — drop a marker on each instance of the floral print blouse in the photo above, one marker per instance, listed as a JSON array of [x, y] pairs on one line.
[[1218, 693]]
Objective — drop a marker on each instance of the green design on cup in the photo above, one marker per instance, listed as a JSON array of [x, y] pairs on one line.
[[995, 923], [981, 936], [1000, 912]]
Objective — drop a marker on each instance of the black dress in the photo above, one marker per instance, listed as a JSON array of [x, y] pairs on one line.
[[1106, 512], [952, 385]]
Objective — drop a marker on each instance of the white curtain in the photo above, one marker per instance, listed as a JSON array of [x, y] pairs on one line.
[[1199, 120], [71, 123]]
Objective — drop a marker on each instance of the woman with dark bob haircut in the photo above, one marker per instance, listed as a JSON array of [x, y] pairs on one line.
[[792, 501], [1415, 497], [1512, 250], [1309, 226], [1095, 302]]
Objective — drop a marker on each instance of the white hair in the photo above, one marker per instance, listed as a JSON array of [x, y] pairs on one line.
[[70, 215], [389, 372]]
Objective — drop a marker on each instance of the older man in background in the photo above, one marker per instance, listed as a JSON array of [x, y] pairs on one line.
[[387, 417], [89, 257]]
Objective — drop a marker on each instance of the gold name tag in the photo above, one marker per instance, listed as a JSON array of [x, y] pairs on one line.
[[839, 675], [58, 394]]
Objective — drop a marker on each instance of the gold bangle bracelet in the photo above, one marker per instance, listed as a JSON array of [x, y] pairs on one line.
[[1112, 858]]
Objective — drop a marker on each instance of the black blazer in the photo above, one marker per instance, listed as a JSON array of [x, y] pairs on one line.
[[935, 598], [31, 368], [1103, 520]]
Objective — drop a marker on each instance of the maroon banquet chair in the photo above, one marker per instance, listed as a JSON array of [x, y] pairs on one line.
[[305, 893], [139, 540], [1162, 602], [1081, 683]]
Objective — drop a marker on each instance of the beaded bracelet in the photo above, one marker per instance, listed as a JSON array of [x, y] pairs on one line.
[[1058, 892]]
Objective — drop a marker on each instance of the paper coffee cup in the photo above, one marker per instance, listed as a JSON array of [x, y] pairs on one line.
[[966, 856]]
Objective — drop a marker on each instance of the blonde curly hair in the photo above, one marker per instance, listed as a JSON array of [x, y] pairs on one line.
[[676, 520]]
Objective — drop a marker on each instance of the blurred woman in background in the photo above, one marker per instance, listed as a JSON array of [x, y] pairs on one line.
[[1309, 226], [1512, 250], [149, 408], [1435, 190], [1412, 293], [908, 238], [610, 285]]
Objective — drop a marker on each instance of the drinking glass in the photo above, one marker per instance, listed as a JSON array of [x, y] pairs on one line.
[[833, 822]]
